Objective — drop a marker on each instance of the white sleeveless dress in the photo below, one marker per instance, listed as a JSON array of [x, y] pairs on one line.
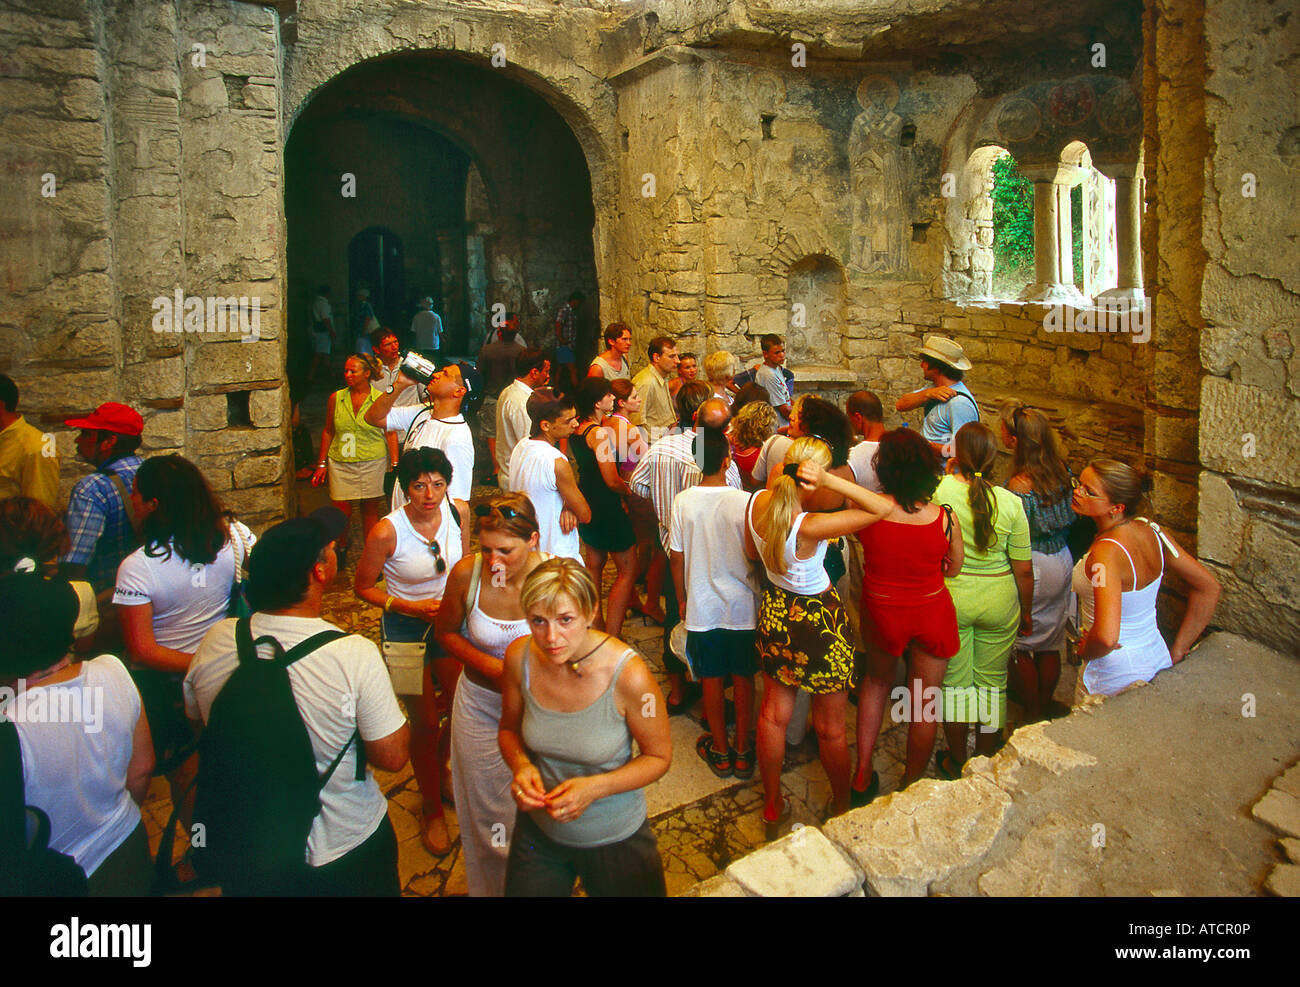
[[1141, 651]]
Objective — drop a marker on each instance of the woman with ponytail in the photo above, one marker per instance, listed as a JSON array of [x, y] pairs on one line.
[[1040, 478], [1119, 580], [993, 593], [802, 631]]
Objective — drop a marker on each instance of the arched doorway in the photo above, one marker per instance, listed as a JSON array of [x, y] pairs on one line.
[[477, 180], [376, 262]]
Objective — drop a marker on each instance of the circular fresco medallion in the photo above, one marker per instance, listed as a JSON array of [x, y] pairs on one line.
[[1070, 103], [1018, 120], [1118, 110]]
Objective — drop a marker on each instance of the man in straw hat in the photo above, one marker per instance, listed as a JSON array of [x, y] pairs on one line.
[[948, 402]]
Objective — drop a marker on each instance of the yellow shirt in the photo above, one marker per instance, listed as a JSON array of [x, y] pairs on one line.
[[25, 469]]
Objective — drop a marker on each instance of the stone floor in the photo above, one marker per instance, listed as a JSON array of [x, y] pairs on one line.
[[703, 823]]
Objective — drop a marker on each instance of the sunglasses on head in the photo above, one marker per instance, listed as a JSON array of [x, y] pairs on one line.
[[485, 510]]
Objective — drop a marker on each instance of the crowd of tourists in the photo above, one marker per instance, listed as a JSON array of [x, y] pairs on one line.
[[774, 536]]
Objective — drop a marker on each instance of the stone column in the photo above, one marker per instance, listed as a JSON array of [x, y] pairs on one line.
[[1128, 234], [1053, 266]]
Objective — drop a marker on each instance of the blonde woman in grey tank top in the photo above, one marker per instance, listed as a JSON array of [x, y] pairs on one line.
[[480, 616], [573, 700]]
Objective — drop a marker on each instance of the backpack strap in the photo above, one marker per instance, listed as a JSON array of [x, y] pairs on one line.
[[13, 823], [247, 650], [120, 487]]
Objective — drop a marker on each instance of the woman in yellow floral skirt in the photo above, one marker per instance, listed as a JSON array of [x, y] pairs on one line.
[[802, 632]]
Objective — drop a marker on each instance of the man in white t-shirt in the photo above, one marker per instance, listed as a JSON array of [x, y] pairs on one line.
[[542, 472], [769, 377], [867, 418], [717, 592], [426, 326], [340, 688], [532, 370], [666, 469], [437, 424]]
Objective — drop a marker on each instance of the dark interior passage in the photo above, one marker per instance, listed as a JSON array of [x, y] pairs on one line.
[[465, 185]]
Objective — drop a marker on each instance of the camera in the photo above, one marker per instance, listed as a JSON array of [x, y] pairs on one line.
[[418, 368]]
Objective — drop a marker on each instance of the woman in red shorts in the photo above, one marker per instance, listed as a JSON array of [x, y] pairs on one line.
[[906, 608]]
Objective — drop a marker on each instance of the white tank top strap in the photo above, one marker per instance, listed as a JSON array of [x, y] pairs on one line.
[[1165, 539], [1132, 567]]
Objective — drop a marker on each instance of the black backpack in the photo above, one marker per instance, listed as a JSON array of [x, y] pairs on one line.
[[257, 791], [27, 864]]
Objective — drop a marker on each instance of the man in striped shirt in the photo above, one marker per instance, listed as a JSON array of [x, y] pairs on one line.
[[668, 468]]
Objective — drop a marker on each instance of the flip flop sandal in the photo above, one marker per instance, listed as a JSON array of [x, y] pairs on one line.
[[742, 763], [857, 799], [719, 762], [773, 828]]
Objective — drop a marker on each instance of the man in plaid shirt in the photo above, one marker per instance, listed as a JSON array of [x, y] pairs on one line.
[[99, 511], [565, 372]]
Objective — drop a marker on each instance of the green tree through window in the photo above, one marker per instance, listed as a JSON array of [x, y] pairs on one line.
[[1013, 228]]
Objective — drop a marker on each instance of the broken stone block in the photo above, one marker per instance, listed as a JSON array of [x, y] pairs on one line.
[[718, 886], [1033, 745], [908, 841], [1284, 881], [1291, 847], [804, 864], [1290, 781], [1279, 810]]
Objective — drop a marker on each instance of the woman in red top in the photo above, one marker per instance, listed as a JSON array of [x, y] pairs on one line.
[[906, 607], [750, 428]]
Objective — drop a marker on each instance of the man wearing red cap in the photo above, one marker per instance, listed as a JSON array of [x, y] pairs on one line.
[[99, 510]]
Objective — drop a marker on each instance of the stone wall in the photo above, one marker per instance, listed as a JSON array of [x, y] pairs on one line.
[[1229, 365], [166, 176]]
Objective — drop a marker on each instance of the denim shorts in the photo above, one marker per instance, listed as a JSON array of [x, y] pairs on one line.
[[564, 354]]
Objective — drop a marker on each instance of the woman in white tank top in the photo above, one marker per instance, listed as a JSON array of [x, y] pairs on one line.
[[802, 630], [1119, 580], [480, 616], [414, 548]]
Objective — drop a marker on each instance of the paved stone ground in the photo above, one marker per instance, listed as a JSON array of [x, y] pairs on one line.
[[702, 822]]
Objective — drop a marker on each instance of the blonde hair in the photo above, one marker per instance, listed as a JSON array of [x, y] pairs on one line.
[[556, 578], [753, 425], [719, 366], [374, 366], [785, 504]]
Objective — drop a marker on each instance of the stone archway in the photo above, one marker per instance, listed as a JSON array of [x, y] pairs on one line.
[[485, 183]]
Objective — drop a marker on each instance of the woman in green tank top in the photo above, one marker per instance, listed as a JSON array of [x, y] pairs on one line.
[[353, 453]]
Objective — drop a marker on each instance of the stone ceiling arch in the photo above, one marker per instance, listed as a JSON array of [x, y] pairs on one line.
[[311, 66]]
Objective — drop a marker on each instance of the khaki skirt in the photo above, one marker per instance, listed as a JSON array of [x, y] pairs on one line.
[[357, 481]]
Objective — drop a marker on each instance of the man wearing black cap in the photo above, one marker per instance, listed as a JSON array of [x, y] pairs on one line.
[[339, 688], [437, 424]]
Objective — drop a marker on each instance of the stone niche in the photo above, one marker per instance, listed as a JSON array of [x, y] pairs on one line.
[[816, 298]]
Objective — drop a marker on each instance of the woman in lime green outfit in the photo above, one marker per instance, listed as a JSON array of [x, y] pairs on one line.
[[993, 594], [353, 453]]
